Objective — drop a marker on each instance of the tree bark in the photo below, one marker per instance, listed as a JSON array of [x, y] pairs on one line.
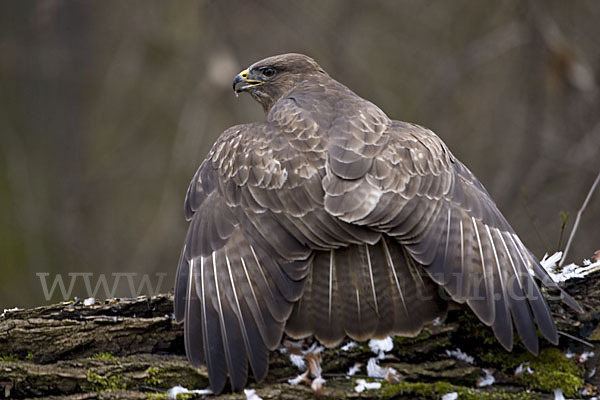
[[130, 349]]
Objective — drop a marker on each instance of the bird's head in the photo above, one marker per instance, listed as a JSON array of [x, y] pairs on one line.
[[269, 79]]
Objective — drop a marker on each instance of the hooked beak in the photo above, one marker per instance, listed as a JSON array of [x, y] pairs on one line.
[[247, 83]]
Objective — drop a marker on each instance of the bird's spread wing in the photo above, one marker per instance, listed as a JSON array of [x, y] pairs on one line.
[[256, 211], [413, 189]]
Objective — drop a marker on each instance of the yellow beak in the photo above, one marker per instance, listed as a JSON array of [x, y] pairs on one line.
[[247, 83]]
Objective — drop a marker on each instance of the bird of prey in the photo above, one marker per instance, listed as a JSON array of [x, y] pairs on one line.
[[330, 219]]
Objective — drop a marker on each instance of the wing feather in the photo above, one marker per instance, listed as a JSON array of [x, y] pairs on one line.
[[435, 207], [193, 317], [233, 295], [234, 344], [211, 329], [248, 327], [518, 299]]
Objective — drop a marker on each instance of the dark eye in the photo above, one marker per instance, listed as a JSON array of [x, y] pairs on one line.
[[268, 72]]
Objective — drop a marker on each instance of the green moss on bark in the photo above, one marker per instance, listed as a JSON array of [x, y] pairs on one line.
[[551, 370], [102, 383], [435, 390]]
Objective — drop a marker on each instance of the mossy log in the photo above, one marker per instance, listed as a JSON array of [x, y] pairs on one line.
[[130, 349]]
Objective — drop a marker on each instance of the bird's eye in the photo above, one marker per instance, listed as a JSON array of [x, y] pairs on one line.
[[268, 72]]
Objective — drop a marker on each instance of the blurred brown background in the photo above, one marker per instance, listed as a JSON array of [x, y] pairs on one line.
[[107, 108]]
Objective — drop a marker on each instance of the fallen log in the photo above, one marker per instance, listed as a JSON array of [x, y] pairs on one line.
[[132, 348]]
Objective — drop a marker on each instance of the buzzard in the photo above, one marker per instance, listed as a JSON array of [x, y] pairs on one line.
[[330, 219]]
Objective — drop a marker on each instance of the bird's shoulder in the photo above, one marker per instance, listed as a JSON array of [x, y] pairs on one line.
[[416, 148]]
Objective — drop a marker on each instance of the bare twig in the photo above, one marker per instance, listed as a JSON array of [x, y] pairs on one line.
[[564, 218], [579, 214], [577, 339]]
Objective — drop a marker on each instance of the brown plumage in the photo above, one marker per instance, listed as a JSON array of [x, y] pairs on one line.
[[330, 219]]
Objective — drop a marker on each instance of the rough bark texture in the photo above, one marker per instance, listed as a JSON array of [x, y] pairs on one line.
[[130, 349]]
